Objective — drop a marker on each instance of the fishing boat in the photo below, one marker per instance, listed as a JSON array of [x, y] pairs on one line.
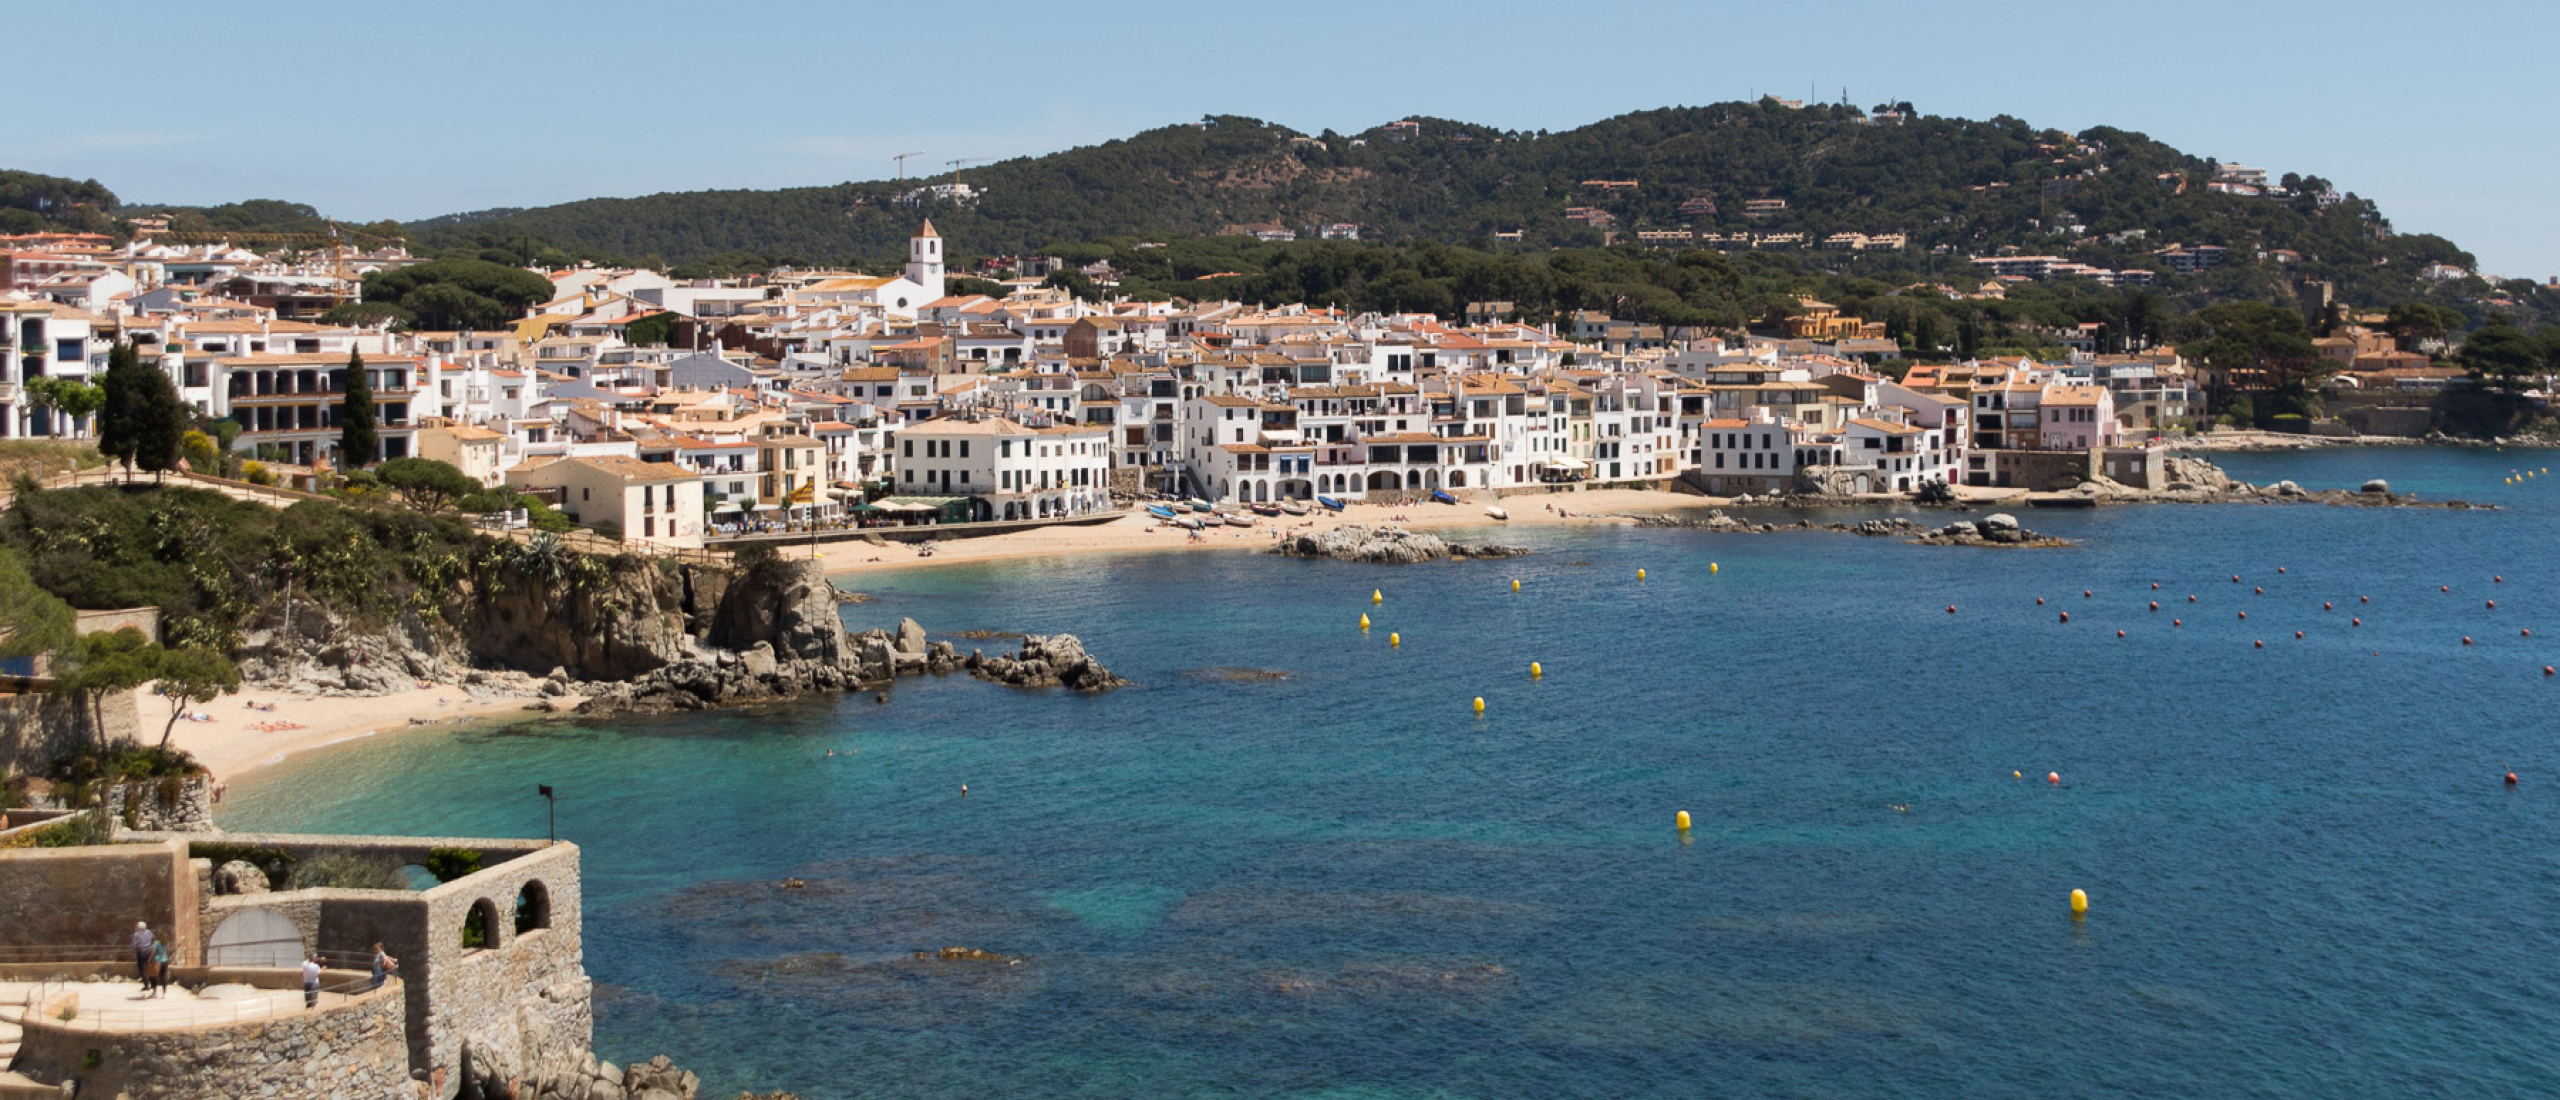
[[1497, 513], [1294, 508], [1197, 504], [1239, 521], [1188, 523], [1160, 511], [1266, 509], [1330, 504], [1439, 497]]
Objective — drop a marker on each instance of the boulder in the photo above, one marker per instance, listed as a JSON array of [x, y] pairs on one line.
[[910, 642], [758, 661], [239, 877], [2376, 485], [1999, 521], [1353, 542]]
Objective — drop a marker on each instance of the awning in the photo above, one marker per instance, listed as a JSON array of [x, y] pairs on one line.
[[728, 506], [1565, 464], [905, 506]]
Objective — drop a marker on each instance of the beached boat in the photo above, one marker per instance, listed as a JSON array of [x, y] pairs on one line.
[[1197, 504], [1497, 513], [1188, 523], [1330, 504], [1294, 508], [1240, 521], [1160, 511], [1266, 509], [1442, 498]]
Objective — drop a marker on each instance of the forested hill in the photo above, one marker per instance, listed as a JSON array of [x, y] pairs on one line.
[[1972, 185]]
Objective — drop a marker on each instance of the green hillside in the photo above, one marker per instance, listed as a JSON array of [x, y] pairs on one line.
[[1974, 186]]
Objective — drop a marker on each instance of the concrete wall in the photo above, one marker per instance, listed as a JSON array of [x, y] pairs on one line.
[[355, 1049], [90, 897], [2139, 467], [38, 727]]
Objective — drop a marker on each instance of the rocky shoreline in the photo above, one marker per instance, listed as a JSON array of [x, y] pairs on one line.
[[1997, 529], [1387, 545]]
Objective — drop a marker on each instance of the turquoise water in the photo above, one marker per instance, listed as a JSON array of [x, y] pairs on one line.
[[2306, 877]]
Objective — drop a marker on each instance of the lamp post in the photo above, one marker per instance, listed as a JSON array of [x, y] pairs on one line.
[[552, 806]]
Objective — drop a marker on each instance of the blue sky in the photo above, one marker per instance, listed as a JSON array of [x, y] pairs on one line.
[[2441, 112]]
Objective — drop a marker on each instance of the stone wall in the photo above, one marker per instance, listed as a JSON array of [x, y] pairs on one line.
[[37, 728], [517, 1009], [356, 1049], [176, 804], [90, 897]]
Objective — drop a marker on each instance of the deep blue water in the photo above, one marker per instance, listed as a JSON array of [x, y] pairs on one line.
[[2307, 879]]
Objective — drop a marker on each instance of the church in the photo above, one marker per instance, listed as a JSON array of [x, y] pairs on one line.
[[895, 295]]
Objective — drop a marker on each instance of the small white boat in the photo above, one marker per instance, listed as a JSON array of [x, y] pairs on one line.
[[1239, 520], [1497, 513]]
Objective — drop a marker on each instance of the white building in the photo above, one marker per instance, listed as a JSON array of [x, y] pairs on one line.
[[1013, 471]]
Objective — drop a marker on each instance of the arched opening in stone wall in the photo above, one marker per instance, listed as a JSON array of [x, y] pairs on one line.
[[480, 926], [533, 907], [255, 937]]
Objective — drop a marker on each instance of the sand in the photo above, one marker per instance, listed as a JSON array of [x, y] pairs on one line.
[[229, 746], [1140, 532]]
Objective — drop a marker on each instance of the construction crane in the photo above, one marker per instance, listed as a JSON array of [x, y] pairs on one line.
[[958, 163], [902, 162]]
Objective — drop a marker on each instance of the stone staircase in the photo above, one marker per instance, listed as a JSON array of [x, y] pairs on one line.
[[15, 1085]]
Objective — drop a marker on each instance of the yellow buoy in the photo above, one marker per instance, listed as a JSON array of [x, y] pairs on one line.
[[1639, 574], [1713, 568], [1364, 620], [1395, 639], [1536, 670], [1376, 596], [1515, 586], [1479, 704], [1683, 819], [2079, 904], [2017, 775]]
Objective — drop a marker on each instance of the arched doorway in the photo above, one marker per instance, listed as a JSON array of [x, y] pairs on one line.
[[1385, 481], [1457, 479], [255, 937]]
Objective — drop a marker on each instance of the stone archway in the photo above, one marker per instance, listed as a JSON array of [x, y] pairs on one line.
[[1457, 479], [255, 937], [1385, 481]]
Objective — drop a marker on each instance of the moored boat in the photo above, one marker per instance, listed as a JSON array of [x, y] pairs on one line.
[[1160, 511], [1239, 521], [1265, 509]]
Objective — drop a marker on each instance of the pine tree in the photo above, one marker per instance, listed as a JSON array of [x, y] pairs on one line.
[[160, 420], [120, 416], [358, 443]]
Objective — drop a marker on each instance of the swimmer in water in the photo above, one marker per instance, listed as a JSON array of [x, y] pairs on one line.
[[964, 790]]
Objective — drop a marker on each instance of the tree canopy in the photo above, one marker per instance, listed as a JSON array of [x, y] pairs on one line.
[[458, 293]]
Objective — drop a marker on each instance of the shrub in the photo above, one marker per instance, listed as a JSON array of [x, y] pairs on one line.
[[79, 830], [350, 871], [255, 473], [448, 864]]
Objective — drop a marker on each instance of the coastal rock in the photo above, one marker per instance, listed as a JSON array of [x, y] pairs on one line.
[[1386, 545], [910, 641], [1055, 660], [2376, 485], [1999, 521]]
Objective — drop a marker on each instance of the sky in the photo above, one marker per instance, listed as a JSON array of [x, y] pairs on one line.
[[371, 111]]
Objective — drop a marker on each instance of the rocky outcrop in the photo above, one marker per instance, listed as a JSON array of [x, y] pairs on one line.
[[794, 643], [581, 1076], [1385, 546], [1998, 529], [1056, 660]]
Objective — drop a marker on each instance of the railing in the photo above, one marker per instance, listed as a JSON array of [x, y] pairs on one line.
[[66, 953], [57, 1004]]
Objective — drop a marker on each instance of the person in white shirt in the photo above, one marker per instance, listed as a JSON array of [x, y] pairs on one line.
[[311, 982]]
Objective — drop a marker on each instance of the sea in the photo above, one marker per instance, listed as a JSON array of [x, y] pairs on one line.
[[1293, 861]]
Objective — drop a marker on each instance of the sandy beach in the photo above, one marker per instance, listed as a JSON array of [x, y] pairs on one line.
[[1142, 533], [240, 739]]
